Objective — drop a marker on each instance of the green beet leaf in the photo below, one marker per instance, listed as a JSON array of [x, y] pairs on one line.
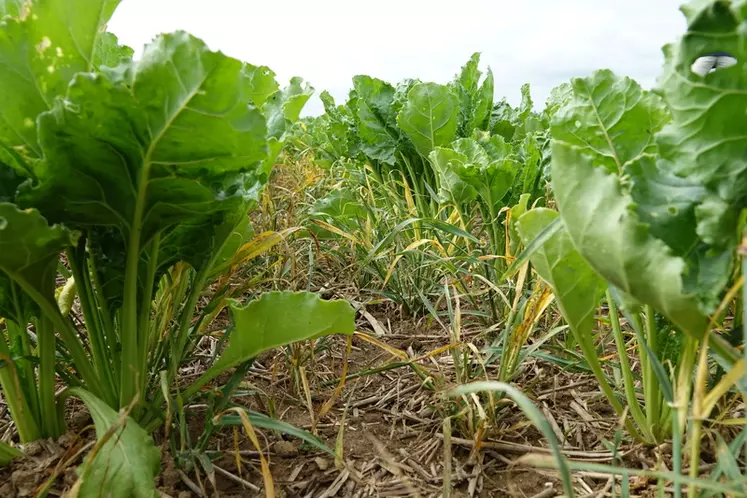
[[448, 163], [126, 465], [283, 107], [278, 319], [429, 117], [341, 206], [517, 210], [482, 105], [469, 169], [577, 287], [475, 99], [160, 141], [705, 141], [261, 83], [531, 161], [629, 215], [503, 120], [600, 141], [376, 119], [610, 118], [29, 250], [559, 96], [668, 204], [240, 233], [109, 53], [40, 52]]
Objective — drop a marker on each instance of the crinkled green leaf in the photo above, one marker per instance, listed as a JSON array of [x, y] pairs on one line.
[[283, 107], [667, 203], [487, 168], [330, 108], [39, 54], [705, 141], [206, 241], [483, 104], [611, 118], [602, 141], [109, 52], [503, 120], [260, 82], [105, 246], [447, 163], [339, 203], [430, 116], [29, 251], [475, 98], [161, 141], [376, 119], [527, 104], [559, 96], [126, 465]]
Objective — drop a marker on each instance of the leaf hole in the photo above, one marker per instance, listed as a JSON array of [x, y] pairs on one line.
[[712, 62]]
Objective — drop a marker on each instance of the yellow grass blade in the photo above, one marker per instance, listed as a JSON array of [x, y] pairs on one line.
[[249, 429], [331, 401], [386, 347], [337, 231], [412, 246]]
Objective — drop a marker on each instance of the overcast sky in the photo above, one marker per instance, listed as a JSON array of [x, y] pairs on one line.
[[327, 42]]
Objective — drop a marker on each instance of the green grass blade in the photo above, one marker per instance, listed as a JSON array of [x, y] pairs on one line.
[[8, 453], [534, 416], [262, 421]]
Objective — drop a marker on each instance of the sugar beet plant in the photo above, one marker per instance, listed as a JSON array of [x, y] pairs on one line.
[[140, 174], [423, 165], [650, 189]]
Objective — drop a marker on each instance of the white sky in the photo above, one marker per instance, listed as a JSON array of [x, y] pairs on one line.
[[327, 42]]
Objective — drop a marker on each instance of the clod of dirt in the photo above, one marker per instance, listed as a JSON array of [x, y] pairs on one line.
[[321, 463], [33, 448], [169, 477], [67, 439], [79, 420], [6, 489], [285, 449], [26, 481]]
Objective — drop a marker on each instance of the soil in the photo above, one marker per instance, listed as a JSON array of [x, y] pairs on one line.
[[393, 437]]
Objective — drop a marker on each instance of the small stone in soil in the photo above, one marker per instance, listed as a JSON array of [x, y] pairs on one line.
[[321, 463]]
